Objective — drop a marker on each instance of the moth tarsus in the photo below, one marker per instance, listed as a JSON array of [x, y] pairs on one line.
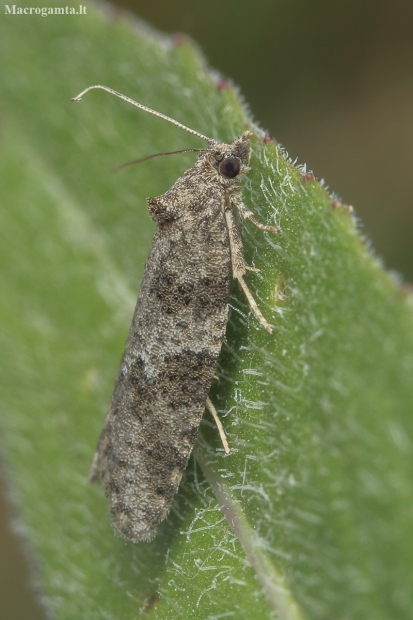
[[175, 338], [213, 412]]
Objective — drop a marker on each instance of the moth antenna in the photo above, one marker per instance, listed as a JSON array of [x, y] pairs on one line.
[[144, 108], [139, 161]]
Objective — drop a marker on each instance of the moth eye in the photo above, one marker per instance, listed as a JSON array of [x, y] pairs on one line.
[[229, 167]]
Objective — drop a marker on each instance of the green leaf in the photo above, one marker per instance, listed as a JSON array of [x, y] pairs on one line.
[[311, 515]]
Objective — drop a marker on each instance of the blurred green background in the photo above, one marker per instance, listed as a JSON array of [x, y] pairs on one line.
[[333, 83]]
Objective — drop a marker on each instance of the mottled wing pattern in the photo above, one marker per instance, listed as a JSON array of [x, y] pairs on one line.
[[173, 346]]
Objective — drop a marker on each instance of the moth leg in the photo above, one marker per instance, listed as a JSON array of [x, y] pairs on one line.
[[248, 215], [253, 305], [239, 267], [213, 412]]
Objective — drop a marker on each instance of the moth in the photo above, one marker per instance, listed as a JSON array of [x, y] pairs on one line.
[[176, 335]]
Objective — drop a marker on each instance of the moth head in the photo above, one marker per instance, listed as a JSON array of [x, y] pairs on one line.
[[231, 160]]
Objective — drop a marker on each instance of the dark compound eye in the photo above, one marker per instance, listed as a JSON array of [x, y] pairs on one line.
[[229, 167]]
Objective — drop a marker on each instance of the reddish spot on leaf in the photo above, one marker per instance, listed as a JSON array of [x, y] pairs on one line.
[[223, 83], [179, 38], [268, 138]]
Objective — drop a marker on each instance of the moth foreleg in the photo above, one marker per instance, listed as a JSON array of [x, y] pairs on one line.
[[248, 215]]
